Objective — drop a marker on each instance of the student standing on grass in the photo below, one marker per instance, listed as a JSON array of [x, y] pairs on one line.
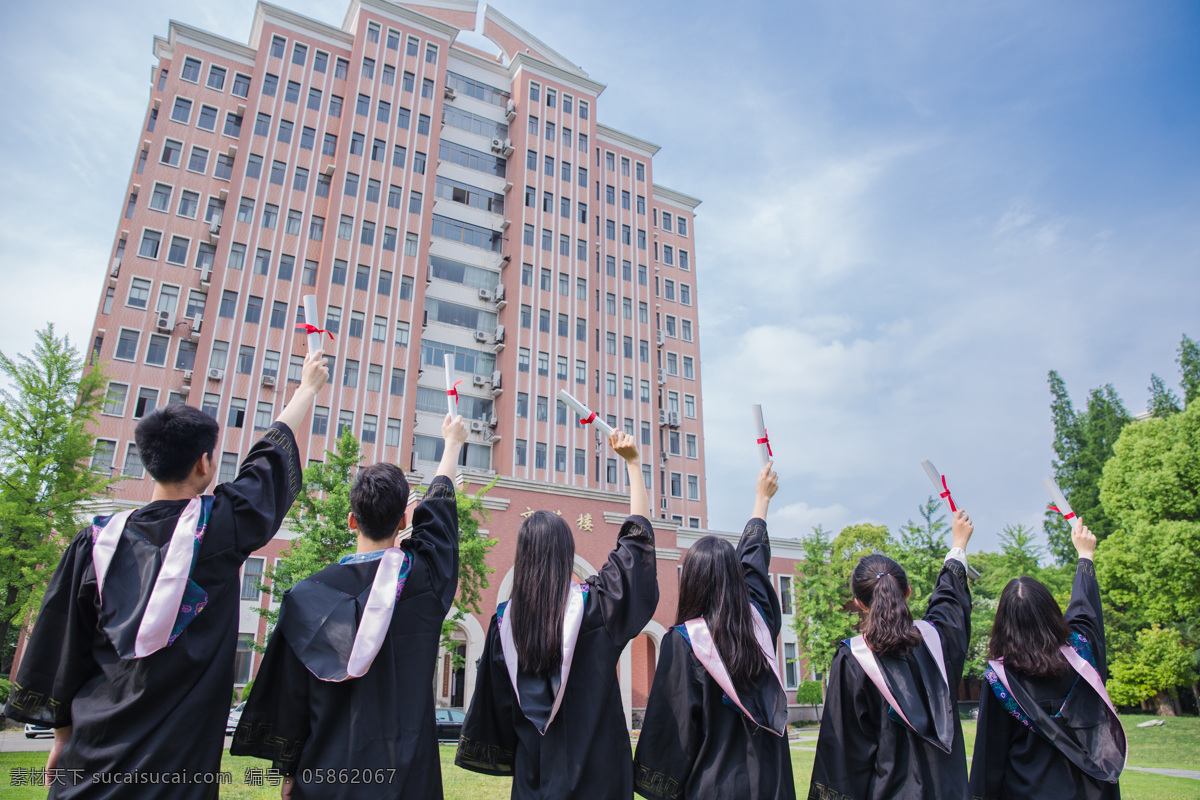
[[890, 727], [547, 706], [1046, 726], [131, 659], [344, 687], [716, 720]]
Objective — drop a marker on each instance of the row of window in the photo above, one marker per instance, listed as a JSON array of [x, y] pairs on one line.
[[535, 94]]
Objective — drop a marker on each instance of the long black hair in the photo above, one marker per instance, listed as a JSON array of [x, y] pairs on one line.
[[541, 581], [880, 584], [1029, 629], [712, 586]]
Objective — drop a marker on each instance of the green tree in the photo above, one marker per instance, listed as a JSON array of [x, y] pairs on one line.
[[856, 541], [45, 481], [1162, 400], [473, 569], [1152, 490], [809, 694], [921, 551], [1159, 664], [1083, 443], [1189, 367], [1020, 550], [821, 620]]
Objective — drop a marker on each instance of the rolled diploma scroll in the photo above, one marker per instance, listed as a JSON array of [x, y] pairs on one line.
[[1064, 507], [311, 318], [764, 449], [584, 412], [938, 482], [451, 392]]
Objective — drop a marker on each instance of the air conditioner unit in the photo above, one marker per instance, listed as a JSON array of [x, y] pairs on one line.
[[476, 426], [499, 292], [268, 380], [478, 380], [508, 148], [498, 336], [660, 339], [484, 294], [496, 379], [216, 374], [510, 110], [497, 145], [206, 277], [115, 268], [661, 378], [187, 376], [197, 323], [505, 225], [450, 93], [673, 419], [493, 421], [184, 391], [164, 321], [662, 417], [480, 336], [505, 260]]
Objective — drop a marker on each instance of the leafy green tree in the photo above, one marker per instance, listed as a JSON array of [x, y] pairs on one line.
[[809, 694], [473, 569], [45, 482], [1189, 367], [1152, 490], [856, 541], [1159, 664], [1162, 400], [1083, 443], [1020, 550], [821, 619]]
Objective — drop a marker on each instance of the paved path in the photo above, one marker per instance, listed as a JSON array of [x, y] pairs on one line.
[[1174, 773], [15, 742]]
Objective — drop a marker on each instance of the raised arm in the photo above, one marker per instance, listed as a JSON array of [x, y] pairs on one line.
[[950, 604], [626, 448], [454, 432], [1085, 615], [312, 379], [754, 552], [435, 520]]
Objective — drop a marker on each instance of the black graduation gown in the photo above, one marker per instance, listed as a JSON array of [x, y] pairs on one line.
[[1012, 761], [164, 713], [585, 751], [381, 723], [693, 743], [864, 752]]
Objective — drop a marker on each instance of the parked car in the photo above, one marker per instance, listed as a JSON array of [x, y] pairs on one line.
[[34, 731], [449, 724], [235, 715]]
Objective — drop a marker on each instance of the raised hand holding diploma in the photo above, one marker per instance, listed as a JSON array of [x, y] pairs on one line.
[[1060, 503], [625, 446], [451, 385], [764, 490], [939, 483], [764, 443], [586, 415], [312, 323]]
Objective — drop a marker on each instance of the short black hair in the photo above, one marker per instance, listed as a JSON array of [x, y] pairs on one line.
[[170, 440], [378, 500]]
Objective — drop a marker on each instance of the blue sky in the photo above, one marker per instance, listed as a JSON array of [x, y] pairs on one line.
[[911, 213]]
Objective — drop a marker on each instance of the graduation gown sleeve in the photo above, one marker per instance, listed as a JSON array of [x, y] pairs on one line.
[[627, 586], [266, 485], [58, 656], [949, 611], [1085, 615], [675, 716], [434, 537], [754, 551], [275, 722]]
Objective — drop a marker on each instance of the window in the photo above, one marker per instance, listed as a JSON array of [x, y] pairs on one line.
[[133, 462], [114, 399], [177, 254], [676, 484], [611, 471], [171, 152], [292, 93], [102, 456], [241, 85], [522, 357], [521, 450], [341, 68], [396, 387], [160, 198], [182, 110], [685, 327], [156, 350], [580, 372], [150, 242], [253, 309], [693, 487], [539, 455], [216, 78], [790, 666]]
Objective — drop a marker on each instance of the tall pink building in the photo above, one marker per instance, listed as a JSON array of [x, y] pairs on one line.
[[436, 199]]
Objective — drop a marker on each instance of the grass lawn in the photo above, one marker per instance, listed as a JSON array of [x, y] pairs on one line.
[[1174, 745]]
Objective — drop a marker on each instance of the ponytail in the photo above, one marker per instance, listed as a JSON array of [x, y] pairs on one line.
[[880, 584]]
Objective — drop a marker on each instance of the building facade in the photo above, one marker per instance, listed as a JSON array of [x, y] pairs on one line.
[[436, 199]]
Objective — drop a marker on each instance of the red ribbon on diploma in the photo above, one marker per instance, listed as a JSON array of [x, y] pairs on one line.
[[767, 441], [304, 326], [587, 421], [453, 391], [946, 495], [1065, 516]]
